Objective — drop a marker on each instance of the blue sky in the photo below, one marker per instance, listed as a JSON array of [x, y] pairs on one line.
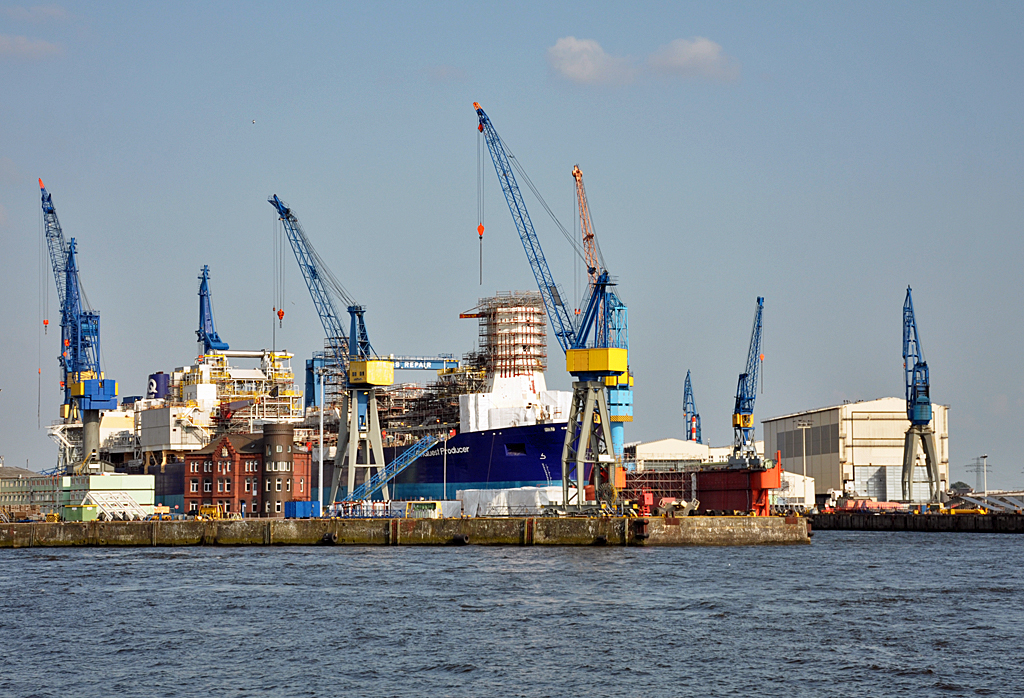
[[823, 155]]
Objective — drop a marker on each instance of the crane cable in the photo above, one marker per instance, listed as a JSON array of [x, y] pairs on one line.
[[480, 198]]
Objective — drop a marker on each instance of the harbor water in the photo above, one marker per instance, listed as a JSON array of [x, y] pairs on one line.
[[854, 613]]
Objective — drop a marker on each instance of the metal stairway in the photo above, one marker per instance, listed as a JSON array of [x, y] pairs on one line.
[[392, 469]]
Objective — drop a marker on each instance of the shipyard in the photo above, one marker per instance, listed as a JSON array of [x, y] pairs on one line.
[[472, 349]]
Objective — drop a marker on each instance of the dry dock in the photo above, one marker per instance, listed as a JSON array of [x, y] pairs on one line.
[[652, 531]]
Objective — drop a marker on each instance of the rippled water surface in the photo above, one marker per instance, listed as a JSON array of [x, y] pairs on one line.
[[854, 614]]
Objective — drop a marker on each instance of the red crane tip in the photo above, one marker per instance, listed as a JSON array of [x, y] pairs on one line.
[[41, 183]]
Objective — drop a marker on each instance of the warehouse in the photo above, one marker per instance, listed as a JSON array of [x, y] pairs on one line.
[[856, 447]]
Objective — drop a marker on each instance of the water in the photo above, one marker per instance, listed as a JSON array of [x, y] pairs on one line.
[[858, 614]]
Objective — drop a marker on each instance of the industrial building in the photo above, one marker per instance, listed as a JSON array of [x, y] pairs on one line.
[[45, 494], [856, 448]]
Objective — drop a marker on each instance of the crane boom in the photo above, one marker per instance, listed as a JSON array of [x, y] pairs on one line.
[[587, 227], [691, 418], [55, 242], [207, 333], [319, 281], [561, 319], [915, 368]]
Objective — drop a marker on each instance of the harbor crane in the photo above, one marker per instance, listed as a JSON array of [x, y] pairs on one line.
[[86, 390], [363, 370], [590, 353], [614, 317], [919, 407], [744, 452], [691, 418], [207, 333]]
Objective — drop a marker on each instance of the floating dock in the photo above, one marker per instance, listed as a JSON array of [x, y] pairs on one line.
[[650, 531], [936, 523]]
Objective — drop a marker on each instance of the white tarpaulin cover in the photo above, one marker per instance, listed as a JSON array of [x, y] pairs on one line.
[[517, 501]]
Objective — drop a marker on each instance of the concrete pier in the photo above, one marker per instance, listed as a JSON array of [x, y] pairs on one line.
[[651, 531]]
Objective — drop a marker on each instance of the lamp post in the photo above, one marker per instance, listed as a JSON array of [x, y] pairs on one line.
[[320, 475], [445, 447]]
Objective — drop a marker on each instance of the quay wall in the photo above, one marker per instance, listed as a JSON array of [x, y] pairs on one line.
[[939, 523], [651, 531]]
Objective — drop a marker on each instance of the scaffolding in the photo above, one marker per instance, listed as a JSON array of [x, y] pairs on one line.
[[513, 333]]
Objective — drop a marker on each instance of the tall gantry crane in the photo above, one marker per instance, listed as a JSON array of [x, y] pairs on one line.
[[209, 340], [86, 391], [591, 356], [691, 418], [919, 407], [613, 319], [364, 371], [744, 452]]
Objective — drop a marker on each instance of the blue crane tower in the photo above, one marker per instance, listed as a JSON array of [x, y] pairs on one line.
[[362, 370], [744, 452], [590, 353], [919, 407], [691, 418], [86, 390], [209, 340]]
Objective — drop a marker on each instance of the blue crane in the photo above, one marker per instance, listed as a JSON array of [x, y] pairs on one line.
[[744, 453], [207, 333], [353, 356], [919, 406], [86, 391], [691, 418], [591, 356]]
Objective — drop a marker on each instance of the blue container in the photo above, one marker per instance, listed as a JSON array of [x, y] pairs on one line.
[[301, 510]]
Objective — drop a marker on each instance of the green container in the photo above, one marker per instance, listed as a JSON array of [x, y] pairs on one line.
[[80, 512]]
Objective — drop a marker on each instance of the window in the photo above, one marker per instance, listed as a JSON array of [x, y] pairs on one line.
[[220, 485], [194, 468], [227, 485], [277, 507], [193, 506], [207, 486], [267, 508], [268, 453], [288, 484], [302, 484], [194, 486], [223, 453], [279, 448], [278, 484], [227, 506], [247, 484], [268, 484], [208, 466]]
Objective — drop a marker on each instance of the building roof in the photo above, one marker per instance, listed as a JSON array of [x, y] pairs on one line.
[[10, 471], [242, 443], [859, 405]]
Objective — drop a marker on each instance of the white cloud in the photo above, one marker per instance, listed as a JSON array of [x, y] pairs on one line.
[[23, 47], [584, 61], [699, 58], [37, 14]]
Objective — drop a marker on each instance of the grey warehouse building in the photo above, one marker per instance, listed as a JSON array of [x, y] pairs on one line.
[[856, 447]]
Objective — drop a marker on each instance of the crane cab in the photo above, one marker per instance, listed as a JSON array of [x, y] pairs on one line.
[[371, 372]]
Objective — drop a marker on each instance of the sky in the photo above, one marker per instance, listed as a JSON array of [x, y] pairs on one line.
[[822, 155]]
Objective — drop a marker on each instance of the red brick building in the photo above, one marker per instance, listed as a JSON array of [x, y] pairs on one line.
[[230, 472]]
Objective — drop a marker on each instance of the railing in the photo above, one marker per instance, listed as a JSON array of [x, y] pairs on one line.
[[392, 469]]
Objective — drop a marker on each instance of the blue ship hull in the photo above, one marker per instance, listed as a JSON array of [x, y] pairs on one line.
[[525, 456]]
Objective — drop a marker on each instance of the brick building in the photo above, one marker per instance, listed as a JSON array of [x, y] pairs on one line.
[[230, 471]]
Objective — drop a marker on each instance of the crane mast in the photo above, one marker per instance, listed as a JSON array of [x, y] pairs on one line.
[[919, 407], [691, 418], [744, 452], [590, 357], [86, 391]]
